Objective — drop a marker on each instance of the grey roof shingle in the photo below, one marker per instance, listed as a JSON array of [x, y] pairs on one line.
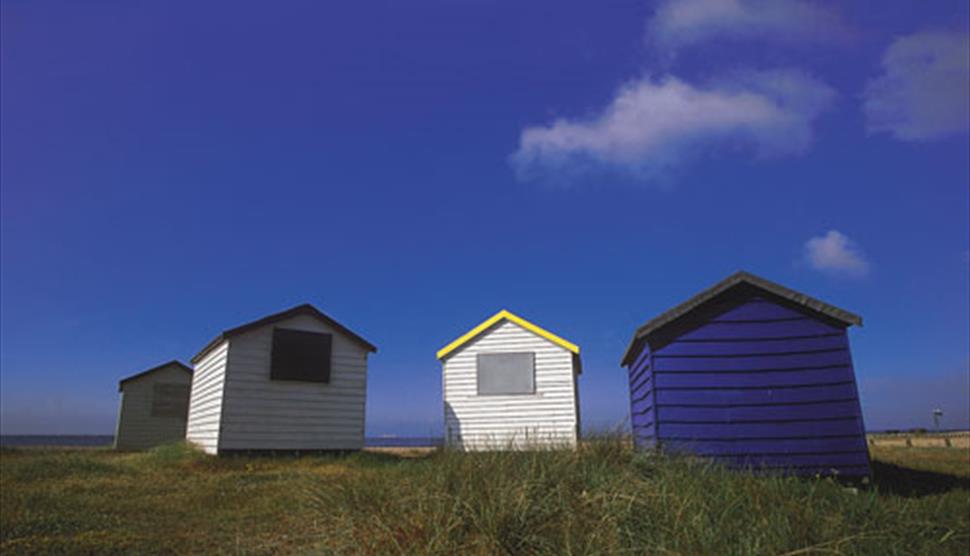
[[304, 309]]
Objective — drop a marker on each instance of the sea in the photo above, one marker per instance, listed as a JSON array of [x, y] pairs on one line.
[[98, 440]]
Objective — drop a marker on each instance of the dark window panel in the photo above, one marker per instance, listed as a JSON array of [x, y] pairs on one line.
[[170, 400], [300, 355]]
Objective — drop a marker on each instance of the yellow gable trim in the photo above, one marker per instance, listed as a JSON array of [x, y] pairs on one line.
[[503, 314]]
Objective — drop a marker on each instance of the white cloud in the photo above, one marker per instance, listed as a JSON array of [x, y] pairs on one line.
[[679, 23], [652, 126], [925, 90], [835, 253]]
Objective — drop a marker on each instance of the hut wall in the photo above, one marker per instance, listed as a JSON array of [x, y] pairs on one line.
[[547, 418], [764, 385], [642, 413], [264, 414], [205, 404], [143, 420]]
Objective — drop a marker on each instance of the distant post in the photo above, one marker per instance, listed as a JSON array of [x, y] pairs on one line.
[[937, 413]]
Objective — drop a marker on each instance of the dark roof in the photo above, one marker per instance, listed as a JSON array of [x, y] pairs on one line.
[[738, 279], [305, 309], [175, 362]]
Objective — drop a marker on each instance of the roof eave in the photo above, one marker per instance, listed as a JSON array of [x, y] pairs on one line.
[[136, 376], [847, 317], [504, 314], [305, 308]]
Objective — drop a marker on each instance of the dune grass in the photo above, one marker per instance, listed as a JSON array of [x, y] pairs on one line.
[[600, 500]]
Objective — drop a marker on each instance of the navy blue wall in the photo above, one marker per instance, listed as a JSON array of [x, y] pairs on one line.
[[757, 382], [642, 401]]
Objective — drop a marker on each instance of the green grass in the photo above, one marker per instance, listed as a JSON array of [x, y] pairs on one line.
[[600, 500]]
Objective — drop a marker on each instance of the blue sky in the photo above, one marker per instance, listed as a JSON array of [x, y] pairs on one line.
[[173, 169]]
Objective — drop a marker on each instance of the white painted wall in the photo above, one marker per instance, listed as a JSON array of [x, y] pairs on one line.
[[205, 404], [264, 414], [137, 427], [547, 418]]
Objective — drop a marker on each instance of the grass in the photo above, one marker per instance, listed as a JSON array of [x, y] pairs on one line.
[[600, 500]]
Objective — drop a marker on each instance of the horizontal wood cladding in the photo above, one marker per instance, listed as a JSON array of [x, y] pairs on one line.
[[265, 414], [749, 347], [140, 424], [759, 330], [808, 376], [642, 403], [548, 417], [205, 403], [727, 446], [760, 384], [764, 395], [836, 426], [726, 363], [757, 413]]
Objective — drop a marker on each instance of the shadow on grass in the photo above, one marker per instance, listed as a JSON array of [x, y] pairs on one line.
[[903, 481]]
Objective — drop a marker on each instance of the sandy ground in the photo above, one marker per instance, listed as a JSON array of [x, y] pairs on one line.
[[959, 439], [403, 452]]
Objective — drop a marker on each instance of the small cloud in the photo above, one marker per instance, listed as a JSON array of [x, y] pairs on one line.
[[835, 253], [651, 127], [680, 23], [925, 90]]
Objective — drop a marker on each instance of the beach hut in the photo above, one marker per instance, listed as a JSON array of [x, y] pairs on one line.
[[153, 407], [293, 381], [753, 374], [508, 383]]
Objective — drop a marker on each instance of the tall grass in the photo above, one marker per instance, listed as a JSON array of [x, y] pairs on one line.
[[603, 500], [600, 499]]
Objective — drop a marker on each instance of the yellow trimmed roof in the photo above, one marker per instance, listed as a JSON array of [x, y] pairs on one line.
[[505, 315]]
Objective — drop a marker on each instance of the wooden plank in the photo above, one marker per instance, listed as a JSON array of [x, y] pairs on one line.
[[638, 378], [643, 385], [734, 330], [849, 443], [643, 358], [758, 379], [794, 429], [849, 408], [643, 424], [762, 395], [755, 347], [644, 395], [644, 408], [758, 363]]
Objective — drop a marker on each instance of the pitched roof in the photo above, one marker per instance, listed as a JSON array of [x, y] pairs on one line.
[[737, 279], [505, 315], [178, 365], [305, 309]]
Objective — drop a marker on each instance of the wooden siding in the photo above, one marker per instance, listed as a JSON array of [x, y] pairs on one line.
[[760, 385], [642, 400], [137, 427], [205, 403], [264, 414], [547, 418]]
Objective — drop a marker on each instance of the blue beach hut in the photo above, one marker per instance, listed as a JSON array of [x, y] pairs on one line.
[[752, 374]]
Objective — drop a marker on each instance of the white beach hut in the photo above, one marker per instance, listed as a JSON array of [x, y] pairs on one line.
[[292, 381], [508, 383], [153, 408]]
